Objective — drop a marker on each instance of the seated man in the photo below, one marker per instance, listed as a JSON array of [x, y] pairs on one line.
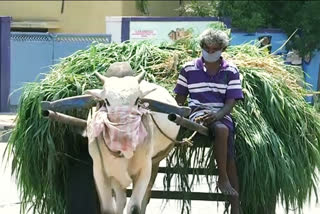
[[213, 86]]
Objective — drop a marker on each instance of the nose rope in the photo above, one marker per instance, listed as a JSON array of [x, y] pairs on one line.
[[188, 141]]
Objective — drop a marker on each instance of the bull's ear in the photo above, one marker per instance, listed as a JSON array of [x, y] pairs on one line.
[[141, 75], [97, 93]]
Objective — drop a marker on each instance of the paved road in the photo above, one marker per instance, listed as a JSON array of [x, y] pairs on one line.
[[9, 196]]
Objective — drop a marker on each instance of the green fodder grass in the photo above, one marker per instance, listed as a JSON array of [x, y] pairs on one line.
[[277, 140]]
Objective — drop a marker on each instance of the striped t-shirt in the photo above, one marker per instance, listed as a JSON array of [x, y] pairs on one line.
[[209, 92]]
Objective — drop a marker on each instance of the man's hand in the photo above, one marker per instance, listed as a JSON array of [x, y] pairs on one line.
[[210, 117], [181, 99]]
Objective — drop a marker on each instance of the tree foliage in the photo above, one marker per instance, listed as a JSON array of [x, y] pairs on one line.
[[252, 15], [142, 6], [198, 8], [245, 14]]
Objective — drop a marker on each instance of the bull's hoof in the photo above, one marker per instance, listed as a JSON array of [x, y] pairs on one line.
[[134, 210]]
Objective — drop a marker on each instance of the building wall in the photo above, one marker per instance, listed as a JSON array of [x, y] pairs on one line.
[[78, 16]]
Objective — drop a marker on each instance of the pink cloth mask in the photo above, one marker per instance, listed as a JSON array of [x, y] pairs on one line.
[[121, 127]]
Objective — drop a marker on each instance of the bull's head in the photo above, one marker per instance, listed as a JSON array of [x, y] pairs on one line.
[[120, 88], [117, 92]]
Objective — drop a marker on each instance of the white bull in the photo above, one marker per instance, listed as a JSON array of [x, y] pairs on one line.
[[113, 173]]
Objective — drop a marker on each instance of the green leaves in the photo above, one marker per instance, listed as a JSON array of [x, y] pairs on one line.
[[252, 15], [277, 141]]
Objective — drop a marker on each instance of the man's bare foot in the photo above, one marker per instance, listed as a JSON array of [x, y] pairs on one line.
[[227, 189]]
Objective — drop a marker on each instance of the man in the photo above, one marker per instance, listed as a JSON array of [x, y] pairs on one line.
[[213, 86]]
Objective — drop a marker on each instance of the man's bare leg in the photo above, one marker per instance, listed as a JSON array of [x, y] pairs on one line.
[[233, 178], [221, 145]]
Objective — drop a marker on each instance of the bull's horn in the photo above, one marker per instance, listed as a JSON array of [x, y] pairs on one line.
[[101, 77], [81, 101], [141, 75]]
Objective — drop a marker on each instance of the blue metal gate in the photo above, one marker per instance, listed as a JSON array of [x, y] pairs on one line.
[[33, 54], [4, 62]]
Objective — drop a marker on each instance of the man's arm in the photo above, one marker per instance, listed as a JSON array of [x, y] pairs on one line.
[[227, 108], [181, 99]]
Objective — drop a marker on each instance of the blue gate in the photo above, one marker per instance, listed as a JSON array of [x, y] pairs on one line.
[[33, 54], [4, 62]]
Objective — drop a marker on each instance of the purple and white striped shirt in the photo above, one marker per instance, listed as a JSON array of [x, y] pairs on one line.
[[209, 92]]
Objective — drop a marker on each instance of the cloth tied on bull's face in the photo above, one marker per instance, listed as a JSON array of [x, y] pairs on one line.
[[121, 127], [120, 124]]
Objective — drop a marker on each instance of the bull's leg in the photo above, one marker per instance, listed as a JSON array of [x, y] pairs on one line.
[[140, 184], [147, 195], [155, 167], [103, 184], [105, 195], [121, 196]]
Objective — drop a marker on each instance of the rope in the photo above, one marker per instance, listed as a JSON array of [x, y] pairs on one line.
[[185, 141]]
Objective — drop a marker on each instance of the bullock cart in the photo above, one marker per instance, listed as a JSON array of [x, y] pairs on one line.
[[277, 140], [175, 113]]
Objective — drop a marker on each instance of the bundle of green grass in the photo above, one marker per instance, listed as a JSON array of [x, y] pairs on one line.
[[277, 141]]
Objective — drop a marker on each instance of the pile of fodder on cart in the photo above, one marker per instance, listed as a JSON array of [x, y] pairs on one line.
[[277, 140]]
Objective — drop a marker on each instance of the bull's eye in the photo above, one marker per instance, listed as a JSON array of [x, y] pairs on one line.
[[106, 102], [136, 102]]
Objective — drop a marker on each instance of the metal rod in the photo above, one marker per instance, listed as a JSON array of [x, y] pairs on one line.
[[191, 171], [180, 195], [63, 118], [188, 124]]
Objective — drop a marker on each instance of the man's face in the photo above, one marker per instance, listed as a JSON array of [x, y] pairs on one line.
[[211, 48]]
